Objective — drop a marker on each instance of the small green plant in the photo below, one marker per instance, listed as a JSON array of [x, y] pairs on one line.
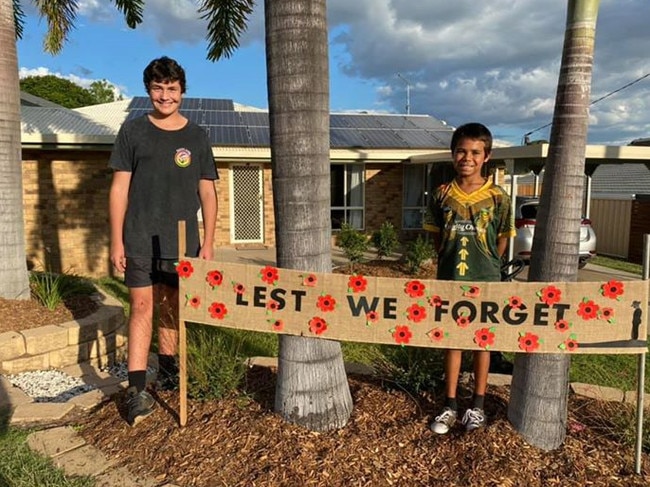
[[353, 242], [417, 253], [413, 369], [385, 240], [51, 289]]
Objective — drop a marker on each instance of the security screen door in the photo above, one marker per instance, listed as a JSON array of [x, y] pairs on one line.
[[247, 204]]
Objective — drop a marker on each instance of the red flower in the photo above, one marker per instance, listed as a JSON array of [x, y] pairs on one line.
[[193, 301], [272, 305], [214, 278], [372, 317], [528, 342], [463, 321], [436, 335], [607, 314], [277, 325], [484, 337], [550, 295], [416, 313], [588, 309], [562, 325], [218, 310], [471, 291], [357, 283], [612, 289], [570, 345], [414, 289], [435, 300], [515, 302], [402, 334], [184, 269], [317, 325], [239, 288], [326, 303], [309, 280], [269, 274]]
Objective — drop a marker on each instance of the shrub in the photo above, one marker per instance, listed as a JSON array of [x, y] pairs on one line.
[[413, 369], [417, 253], [385, 240], [353, 242], [51, 289]]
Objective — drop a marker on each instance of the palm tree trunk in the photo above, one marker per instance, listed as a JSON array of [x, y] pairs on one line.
[[14, 279], [539, 392], [312, 388]]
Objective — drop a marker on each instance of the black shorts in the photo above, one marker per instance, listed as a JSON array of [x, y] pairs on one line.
[[143, 272]]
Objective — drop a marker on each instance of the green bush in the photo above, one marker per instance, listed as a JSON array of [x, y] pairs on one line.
[[385, 240], [353, 242], [52, 289], [413, 369], [417, 253]]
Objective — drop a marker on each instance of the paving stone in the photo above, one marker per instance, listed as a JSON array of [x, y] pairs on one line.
[[10, 395], [122, 477], [85, 460], [499, 379], [90, 399], [55, 441], [40, 412], [597, 392]]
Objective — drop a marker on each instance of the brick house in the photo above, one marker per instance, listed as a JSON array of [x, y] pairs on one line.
[[66, 177]]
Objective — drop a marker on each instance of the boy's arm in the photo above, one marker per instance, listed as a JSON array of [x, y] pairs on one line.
[[502, 245], [117, 203], [208, 197]]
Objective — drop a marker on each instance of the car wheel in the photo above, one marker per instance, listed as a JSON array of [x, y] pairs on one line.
[[582, 263]]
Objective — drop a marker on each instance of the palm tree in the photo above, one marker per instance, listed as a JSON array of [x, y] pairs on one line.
[[60, 16], [539, 391]]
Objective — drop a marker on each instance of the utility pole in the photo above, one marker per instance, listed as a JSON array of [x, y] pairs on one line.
[[408, 93]]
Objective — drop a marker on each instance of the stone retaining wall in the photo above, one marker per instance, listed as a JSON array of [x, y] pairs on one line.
[[98, 339]]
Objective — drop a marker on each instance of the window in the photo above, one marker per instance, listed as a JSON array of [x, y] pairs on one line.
[[414, 203], [347, 182]]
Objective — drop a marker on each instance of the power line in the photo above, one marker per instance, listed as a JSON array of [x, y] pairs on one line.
[[527, 134]]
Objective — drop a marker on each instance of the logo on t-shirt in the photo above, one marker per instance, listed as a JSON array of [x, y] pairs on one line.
[[183, 157]]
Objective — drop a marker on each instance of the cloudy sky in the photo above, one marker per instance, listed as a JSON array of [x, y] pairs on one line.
[[496, 62]]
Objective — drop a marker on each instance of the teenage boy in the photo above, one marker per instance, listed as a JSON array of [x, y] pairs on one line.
[[471, 221], [163, 172]]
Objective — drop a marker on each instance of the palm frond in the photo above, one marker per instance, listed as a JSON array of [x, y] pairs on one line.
[[60, 17], [19, 19], [132, 10], [227, 20]]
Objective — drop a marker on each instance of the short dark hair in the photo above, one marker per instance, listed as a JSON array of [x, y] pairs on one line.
[[163, 70], [473, 130]]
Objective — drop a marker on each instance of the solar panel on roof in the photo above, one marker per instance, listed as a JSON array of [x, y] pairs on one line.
[[223, 118], [383, 138], [255, 119], [394, 121], [260, 136], [347, 138], [232, 136], [338, 121], [426, 122]]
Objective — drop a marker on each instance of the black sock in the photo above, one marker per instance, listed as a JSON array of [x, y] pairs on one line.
[[167, 363], [138, 379], [451, 403], [478, 401]]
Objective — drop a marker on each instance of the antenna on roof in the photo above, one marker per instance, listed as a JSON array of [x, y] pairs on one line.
[[408, 93]]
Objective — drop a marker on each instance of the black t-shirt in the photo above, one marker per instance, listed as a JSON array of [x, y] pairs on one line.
[[166, 167]]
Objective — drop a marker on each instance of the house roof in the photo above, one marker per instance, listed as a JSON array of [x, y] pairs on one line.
[[620, 180]]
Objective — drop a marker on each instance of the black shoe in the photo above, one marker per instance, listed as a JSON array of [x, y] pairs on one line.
[[140, 405]]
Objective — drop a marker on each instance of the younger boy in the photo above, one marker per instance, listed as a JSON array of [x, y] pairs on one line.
[[471, 221]]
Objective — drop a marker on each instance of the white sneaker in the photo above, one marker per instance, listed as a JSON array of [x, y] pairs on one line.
[[474, 419], [441, 424]]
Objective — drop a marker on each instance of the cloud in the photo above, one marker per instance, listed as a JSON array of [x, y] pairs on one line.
[[78, 80]]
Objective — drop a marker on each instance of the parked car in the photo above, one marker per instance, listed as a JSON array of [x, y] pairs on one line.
[[525, 220]]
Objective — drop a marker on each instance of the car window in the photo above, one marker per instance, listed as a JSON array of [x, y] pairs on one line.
[[529, 212]]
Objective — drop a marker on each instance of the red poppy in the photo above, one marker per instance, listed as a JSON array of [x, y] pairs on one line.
[[278, 325], [317, 325], [269, 274], [218, 310], [239, 288], [402, 334], [214, 278], [515, 302], [310, 280], [357, 283], [562, 325], [416, 313], [588, 309], [184, 269], [570, 345], [326, 303], [471, 291], [193, 301], [484, 337], [414, 289], [550, 295], [463, 321], [272, 305], [435, 300], [612, 289], [528, 342], [436, 335], [372, 317], [607, 314]]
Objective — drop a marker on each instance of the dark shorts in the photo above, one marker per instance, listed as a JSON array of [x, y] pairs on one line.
[[143, 272]]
